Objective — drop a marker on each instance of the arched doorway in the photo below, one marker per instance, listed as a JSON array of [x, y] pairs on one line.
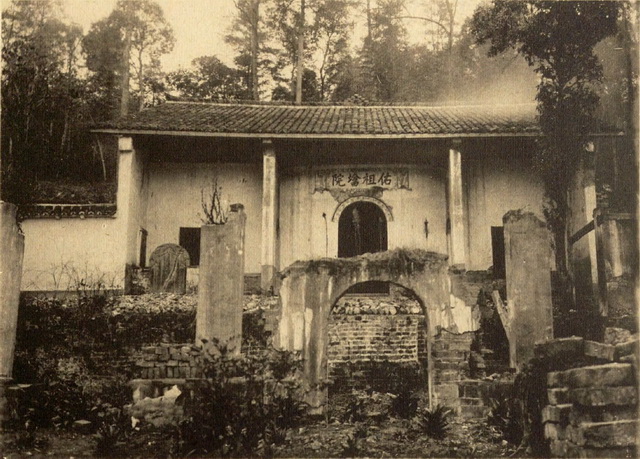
[[362, 228]]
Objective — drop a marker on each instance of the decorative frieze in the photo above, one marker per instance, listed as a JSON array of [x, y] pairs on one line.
[[32, 211]]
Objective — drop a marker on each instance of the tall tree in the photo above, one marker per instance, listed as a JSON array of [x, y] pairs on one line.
[[246, 36], [210, 79], [41, 96], [558, 40], [130, 40]]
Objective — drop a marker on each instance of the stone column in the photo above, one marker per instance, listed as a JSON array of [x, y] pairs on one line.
[[11, 253], [528, 265], [269, 217], [130, 169], [221, 285], [11, 250], [457, 240]]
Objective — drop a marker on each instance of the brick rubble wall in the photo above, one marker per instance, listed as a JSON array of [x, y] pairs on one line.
[[361, 345]]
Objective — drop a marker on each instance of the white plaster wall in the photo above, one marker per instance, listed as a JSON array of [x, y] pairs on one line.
[[495, 183], [306, 234], [91, 253], [173, 198], [59, 254]]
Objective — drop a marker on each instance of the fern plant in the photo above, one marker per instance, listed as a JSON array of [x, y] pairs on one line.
[[434, 422]]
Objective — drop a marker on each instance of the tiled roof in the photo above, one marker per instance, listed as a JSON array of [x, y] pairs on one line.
[[263, 120]]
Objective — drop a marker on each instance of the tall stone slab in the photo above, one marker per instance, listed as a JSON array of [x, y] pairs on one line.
[[11, 253], [528, 266], [221, 284]]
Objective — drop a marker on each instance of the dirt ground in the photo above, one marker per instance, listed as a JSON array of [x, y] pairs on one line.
[[391, 438]]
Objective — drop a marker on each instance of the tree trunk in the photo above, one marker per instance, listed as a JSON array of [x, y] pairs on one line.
[[124, 95], [255, 19], [140, 80], [300, 66]]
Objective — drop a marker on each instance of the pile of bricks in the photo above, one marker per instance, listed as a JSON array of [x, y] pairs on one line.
[[593, 409], [169, 361]]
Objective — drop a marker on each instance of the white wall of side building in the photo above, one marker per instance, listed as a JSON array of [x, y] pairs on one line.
[[59, 254], [174, 200]]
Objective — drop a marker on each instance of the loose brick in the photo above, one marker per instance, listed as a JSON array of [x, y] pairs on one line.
[[613, 335], [610, 434], [599, 350], [602, 396]]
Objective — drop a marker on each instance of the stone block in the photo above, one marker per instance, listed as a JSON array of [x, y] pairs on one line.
[[628, 348], [554, 431], [607, 452], [599, 350], [446, 391], [83, 426], [603, 396], [610, 434], [559, 348], [558, 396], [613, 335], [557, 413], [612, 374]]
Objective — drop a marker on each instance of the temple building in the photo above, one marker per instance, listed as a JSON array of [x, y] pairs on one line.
[[315, 181]]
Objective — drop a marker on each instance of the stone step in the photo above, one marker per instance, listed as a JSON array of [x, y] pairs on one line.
[[613, 374], [471, 401], [450, 355], [609, 434], [472, 411]]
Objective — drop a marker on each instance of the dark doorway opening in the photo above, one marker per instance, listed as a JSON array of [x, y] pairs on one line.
[[362, 228], [497, 246]]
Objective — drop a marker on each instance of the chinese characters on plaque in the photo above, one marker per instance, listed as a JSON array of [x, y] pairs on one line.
[[361, 178]]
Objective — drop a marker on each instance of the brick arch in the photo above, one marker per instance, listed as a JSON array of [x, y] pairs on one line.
[[347, 202], [310, 289]]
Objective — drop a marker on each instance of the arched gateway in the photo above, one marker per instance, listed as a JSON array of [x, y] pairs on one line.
[[310, 288]]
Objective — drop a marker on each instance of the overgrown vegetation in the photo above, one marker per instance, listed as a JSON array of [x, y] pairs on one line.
[[434, 422], [243, 407]]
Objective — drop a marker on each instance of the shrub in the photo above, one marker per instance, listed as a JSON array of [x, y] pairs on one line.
[[243, 407], [434, 422], [505, 413]]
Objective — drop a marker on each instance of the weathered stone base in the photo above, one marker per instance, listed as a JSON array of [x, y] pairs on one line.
[[592, 409]]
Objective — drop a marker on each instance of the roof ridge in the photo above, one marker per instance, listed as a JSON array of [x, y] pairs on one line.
[[340, 105]]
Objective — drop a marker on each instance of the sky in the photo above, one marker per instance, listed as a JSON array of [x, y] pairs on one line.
[[200, 25]]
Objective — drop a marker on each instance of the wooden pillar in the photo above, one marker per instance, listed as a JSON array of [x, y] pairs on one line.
[[457, 240], [269, 217]]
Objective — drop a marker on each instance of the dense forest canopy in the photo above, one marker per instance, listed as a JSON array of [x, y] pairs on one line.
[[57, 79]]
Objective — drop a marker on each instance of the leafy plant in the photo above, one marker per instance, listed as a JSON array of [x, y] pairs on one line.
[[434, 422], [352, 445], [405, 404]]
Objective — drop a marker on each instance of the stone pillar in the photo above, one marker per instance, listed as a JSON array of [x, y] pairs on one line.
[[528, 265], [617, 256], [221, 285], [269, 217], [11, 253], [130, 169], [457, 240], [12, 250]]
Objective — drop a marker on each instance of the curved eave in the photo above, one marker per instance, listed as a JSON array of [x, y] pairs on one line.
[[321, 136]]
